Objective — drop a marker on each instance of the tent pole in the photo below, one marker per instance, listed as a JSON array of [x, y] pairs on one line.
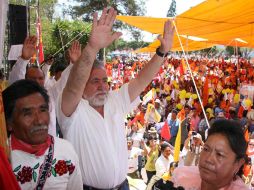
[[192, 77]]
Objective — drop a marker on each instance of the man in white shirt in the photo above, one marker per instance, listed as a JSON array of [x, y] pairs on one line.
[[162, 164], [133, 154], [92, 117]]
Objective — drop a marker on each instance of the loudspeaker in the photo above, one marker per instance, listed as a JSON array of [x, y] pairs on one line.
[[18, 24]]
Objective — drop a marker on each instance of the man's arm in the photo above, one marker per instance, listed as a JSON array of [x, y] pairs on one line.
[[19, 68], [101, 36], [145, 76], [74, 54]]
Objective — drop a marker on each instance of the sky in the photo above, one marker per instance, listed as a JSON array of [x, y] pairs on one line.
[[157, 8]]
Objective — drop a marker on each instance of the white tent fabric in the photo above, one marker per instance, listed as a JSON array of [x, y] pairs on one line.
[[3, 17]]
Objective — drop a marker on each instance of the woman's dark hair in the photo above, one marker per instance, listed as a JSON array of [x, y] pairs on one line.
[[233, 132], [20, 89], [164, 146], [150, 137]]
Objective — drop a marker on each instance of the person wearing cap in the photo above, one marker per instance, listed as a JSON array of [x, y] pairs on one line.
[[193, 146], [153, 132]]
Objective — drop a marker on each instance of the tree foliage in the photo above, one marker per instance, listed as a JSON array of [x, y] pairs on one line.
[[85, 8], [127, 7], [231, 50], [56, 33], [46, 12], [123, 45], [172, 9], [64, 32]]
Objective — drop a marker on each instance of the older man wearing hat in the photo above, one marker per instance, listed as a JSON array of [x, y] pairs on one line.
[[193, 145]]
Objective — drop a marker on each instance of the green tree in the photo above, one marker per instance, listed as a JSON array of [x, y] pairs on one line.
[[172, 9], [231, 50], [127, 7], [123, 45], [64, 32], [46, 11], [85, 9]]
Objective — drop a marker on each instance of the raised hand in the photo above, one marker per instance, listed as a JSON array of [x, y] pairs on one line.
[[101, 34], [74, 51], [167, 38], [29, 47]]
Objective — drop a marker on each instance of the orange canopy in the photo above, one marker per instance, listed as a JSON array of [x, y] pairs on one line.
[[218, 21]]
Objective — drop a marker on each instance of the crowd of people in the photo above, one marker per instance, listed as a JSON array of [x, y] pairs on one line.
[[98, 126]]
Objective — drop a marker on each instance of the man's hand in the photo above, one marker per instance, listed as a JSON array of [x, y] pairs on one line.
[[29, 47], [101, 34], [75, 51], [167, 38]]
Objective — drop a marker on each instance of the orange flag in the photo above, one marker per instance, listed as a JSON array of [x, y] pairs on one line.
[[181, 115], [246, 135], [40, 45]]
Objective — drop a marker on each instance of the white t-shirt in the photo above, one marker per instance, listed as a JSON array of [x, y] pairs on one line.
[[162, 165], [62, 175], [137, 137], [133, 159], [100, 142]]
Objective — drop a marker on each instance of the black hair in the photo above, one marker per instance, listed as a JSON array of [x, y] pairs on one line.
[[60, 68], [164, 145], [20, 89], [175, 111], [245, 113], [233, 132]]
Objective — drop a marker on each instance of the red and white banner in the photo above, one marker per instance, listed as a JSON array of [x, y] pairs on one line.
[[40, 53]]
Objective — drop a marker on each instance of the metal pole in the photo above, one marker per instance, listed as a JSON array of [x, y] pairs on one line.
[[27, 18]]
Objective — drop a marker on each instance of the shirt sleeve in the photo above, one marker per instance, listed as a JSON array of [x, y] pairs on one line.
[[18, 70], [159, 167], [123, 99], [58, 87], [63, 120]]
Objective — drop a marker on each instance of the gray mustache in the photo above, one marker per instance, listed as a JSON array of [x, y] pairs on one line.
[[38, 128]]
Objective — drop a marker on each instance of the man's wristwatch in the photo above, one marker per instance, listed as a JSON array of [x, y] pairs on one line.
[[161, 54]]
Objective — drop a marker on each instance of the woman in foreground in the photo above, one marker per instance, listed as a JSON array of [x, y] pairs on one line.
[[221, 161]]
